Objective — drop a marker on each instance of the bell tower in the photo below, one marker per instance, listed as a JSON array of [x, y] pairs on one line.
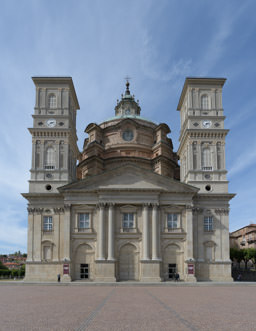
[[202, 135], [54, 139]]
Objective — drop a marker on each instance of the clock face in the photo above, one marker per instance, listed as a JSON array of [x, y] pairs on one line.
[[127, 111], [207, 124], [51, 123], [128, 135]]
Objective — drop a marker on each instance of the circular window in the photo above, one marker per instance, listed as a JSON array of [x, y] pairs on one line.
[[208, 188], [127, 111], [128, 135], [48, 187]]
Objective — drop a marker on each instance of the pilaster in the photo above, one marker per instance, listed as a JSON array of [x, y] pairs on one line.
[[155, 233], [111, 232], [100, 236], [145, 233]]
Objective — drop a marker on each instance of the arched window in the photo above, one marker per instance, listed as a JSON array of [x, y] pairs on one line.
[[50, 158], [206, 159], [204, 102], [52, 101]]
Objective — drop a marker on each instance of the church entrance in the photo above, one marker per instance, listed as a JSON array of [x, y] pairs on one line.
[[170, 262], [84, 271], [128, 263], [84, 263], [171, 271]]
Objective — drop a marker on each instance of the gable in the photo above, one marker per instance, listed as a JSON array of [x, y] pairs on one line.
[[128, 177]]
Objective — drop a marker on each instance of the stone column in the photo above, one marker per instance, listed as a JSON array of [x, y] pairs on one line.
[[66, 234], [37, 234], [189, 221], [155, 233], [111, 233], [57, 221], [30, 234], [100, 241], [145, 234], [189, 245]]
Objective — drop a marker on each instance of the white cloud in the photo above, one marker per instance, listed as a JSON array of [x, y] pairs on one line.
[[217, 44], [158, 66], [245, 160]]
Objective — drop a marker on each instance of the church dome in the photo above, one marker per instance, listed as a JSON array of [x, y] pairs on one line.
[[128, 138]]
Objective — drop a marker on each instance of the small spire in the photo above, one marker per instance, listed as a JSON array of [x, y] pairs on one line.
[[127, 92]]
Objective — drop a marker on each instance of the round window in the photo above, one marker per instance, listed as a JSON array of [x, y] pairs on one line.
[[48, 187], [128, 135], [208, 188]]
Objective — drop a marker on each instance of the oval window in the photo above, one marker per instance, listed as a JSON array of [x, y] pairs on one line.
[[128, 135]]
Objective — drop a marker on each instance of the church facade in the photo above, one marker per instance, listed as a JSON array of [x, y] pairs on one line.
[[128, 207]]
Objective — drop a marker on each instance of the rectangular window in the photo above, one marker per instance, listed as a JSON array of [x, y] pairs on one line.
[[128, 220], [84, 221], [47, 226], [208, 223], [172, 221]]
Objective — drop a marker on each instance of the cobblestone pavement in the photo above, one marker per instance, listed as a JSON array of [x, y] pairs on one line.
[[35, 307]]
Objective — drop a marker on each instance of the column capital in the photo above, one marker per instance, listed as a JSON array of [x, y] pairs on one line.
[[197, 210], [222, 211], [101, 205], [58, 210], [67, 207], [111, 204]]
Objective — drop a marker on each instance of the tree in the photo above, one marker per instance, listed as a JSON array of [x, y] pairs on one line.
[[236, 255], [2, 266], [248, 254]]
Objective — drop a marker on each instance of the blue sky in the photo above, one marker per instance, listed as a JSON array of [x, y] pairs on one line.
[[98, 43]]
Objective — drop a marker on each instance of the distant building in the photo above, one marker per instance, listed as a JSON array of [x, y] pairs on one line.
[[128, 210], [244, 237], [13, 265]]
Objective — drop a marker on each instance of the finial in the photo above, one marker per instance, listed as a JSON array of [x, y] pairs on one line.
[[127, 78]]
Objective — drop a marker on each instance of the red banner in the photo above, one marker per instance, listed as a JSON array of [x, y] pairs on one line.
[[66, 269], [191, 269]]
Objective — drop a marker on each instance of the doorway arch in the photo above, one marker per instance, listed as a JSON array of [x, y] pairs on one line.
[[171, 261], [84, 262], [128, 263]]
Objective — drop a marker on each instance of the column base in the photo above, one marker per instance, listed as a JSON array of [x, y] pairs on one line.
[[190, 279], [66, 279], [105, 271], [150, 271]]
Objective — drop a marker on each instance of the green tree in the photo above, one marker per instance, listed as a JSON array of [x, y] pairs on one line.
[[248, 254], [2, 266], [236, 255]]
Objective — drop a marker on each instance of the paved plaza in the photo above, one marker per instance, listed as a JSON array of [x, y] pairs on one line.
[[130, 307]]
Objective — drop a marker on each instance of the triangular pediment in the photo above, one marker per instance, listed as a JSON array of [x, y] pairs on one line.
[[128, 177]]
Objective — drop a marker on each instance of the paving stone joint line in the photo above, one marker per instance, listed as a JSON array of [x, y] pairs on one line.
[[177, 315], [92, 315]]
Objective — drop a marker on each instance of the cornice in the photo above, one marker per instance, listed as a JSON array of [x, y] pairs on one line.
[[201, 134], [199, 81], [214, 196], [53, 81]]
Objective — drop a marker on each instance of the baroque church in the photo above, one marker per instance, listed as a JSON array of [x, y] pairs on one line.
[[128, 207]]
